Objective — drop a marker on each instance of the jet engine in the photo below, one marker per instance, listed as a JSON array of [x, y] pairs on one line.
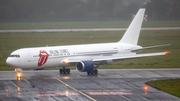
[[85, 66]]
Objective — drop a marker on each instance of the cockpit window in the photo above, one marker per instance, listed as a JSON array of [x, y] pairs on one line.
[[15, 56]]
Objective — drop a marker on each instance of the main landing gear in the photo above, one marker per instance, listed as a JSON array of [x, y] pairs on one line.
[[95, 71], [64, 71]]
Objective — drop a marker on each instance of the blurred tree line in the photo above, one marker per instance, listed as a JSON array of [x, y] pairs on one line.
[[163, 9], [84, 10]]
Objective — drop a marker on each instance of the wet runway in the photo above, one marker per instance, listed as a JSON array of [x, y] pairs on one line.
[[109, 85], [85, 29]]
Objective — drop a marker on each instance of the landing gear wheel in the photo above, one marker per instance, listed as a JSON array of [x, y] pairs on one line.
[[60, 71], [93, 72], [64, 71], [68, 70], [88, 72]]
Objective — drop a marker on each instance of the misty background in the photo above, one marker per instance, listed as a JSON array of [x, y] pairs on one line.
[[85, 10]]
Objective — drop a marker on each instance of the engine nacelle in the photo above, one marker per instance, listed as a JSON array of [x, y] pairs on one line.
[[85, 66]]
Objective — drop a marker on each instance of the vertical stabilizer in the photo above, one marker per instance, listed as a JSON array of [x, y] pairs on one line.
[[131, 35]]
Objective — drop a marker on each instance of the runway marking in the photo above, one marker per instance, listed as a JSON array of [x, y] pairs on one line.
[[125, 97], [75, 89], [14, 84], [59, 94], [108, 93], [48, 91], [145, 98], [85, 29], [85, 91], [105, 90]]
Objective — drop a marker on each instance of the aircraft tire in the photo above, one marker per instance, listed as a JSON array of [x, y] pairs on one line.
[[88, 72], [64, 71], [68, 71], [60, 71], [93, 72]]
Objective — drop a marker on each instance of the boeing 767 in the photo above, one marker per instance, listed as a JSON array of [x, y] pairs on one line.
[[87, 57]]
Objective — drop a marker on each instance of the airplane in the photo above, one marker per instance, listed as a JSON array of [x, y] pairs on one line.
[[85, 57]]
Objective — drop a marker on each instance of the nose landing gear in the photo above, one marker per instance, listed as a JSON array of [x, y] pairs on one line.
[[19, 74]]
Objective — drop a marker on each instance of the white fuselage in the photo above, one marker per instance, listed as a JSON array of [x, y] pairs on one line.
[[46, 57]]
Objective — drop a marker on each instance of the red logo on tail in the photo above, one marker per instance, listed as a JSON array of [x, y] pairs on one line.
[[43, 56]]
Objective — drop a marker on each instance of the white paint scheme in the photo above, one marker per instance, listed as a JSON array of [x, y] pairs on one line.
[[131, 36], [99, 54]]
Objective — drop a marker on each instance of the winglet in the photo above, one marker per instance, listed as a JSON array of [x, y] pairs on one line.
[[131, 35]]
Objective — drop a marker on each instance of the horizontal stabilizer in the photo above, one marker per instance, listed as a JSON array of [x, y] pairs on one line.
[[137, 50]]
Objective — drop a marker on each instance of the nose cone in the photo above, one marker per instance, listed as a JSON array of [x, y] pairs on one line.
[[10, 62]]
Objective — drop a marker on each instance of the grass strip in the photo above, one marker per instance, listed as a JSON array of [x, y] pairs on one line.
[[171, 86]]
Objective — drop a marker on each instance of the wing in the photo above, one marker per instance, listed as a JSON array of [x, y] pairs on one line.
[[102, 61], [131, 57]]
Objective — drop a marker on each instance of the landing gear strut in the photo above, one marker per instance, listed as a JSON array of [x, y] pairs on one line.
[[64, 71], [95, 71]]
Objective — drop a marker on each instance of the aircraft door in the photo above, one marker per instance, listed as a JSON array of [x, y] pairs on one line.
[[29, 57]]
